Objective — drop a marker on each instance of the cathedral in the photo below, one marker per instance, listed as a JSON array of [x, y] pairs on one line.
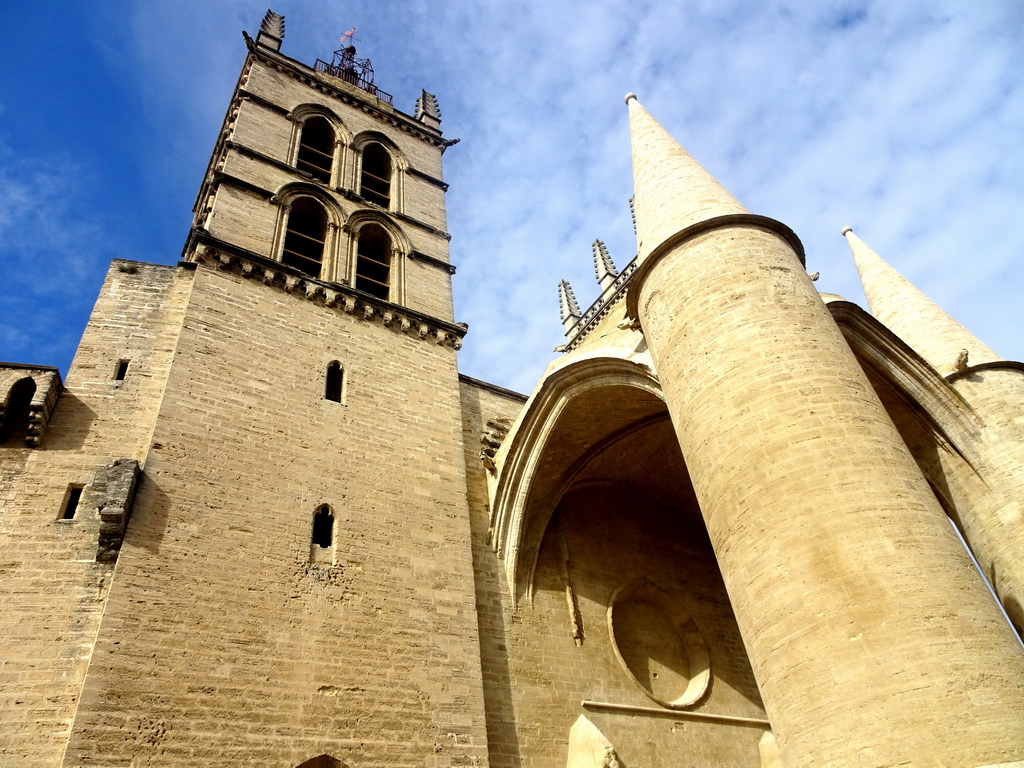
[[265, 521]]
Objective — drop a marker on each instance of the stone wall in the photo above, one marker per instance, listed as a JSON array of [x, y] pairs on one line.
[[222, 640], [52, 589]]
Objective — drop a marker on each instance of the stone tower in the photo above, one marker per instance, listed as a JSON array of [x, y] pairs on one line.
[[266, 521], [291, 382]]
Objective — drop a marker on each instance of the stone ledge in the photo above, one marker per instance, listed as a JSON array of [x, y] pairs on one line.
[[332, 295]]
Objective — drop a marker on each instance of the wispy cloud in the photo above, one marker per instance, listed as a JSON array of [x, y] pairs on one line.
[[903, 120]]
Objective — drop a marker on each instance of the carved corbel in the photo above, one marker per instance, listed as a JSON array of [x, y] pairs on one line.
[[388, 318], [291, 283], [423, 330], [349, 305], [223, 260], [442, 337], [246, 268], [312, 290], [456, 344], [406, 325], [268, 276], [330, 297], [367, 312]]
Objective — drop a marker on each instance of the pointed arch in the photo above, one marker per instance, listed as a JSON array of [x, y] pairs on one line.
[[318, 139], [561, 426], [378, 250], [380, 170], [307, 230], [316, 149]]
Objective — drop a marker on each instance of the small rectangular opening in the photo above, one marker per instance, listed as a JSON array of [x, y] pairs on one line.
[[122, 370], [71, 499]]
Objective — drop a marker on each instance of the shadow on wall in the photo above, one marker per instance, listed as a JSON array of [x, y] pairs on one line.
[[489, 581], [147, 525], [70, 424]]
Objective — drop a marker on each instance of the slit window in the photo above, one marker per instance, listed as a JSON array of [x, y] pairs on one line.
[[71, 500], [375, 183], [305, 236], [335, 382], [373, 262], [323, 527], [316, 149], [122, 370]]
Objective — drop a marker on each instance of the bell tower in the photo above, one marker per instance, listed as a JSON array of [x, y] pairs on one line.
[[298, 562], [317, 182]]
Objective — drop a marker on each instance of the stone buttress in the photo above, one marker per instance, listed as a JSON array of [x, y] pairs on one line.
[[871, 635]]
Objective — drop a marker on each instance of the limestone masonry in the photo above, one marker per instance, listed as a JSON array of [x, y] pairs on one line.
[[266, 522]]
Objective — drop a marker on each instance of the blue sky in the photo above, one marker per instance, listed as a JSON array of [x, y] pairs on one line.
[[903, 120]]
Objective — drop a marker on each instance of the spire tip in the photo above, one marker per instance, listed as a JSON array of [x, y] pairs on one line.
[[629, 96], [845, 230]]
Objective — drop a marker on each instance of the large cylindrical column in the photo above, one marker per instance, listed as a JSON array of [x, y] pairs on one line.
[[993, 522], [872, 637]]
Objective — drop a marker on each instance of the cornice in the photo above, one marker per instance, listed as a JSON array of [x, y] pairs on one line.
[[433, 261], [509, 393], [317, 80], [428, 178], [203, 248]]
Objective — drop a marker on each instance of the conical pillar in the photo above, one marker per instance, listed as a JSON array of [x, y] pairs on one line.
[[873, 639], [912, 316]]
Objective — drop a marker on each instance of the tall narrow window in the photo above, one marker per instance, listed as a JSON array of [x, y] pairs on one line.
[[122, 370], [322, 548], [71, 499], [335, 381], [375, 184], [316, 149], [373, 262], [304, 238]]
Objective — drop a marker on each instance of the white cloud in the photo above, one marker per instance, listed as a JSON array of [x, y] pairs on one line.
[[903, 120]]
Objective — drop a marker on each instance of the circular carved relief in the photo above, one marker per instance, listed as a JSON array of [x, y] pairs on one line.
[[665, 657]]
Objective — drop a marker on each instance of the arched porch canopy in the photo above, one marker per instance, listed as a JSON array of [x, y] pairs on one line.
[[580, 410]]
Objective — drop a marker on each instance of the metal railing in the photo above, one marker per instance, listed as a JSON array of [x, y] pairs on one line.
[[351, 76]]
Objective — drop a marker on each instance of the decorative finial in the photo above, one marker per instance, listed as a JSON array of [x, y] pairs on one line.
[[845, 230], [273, 25], [629, 96], [814, 276], [570, 309], [271, 31], [603, 266], [632, 212], [426, 106]]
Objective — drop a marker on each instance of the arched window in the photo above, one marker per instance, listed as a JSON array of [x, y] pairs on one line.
[[322, 546], [305, 236], [373, 261], [316, 149], [375, 182], [16, 414], [323, 527], [335, 382]]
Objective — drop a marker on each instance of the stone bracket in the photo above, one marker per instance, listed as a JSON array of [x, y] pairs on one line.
[[113, 494]]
